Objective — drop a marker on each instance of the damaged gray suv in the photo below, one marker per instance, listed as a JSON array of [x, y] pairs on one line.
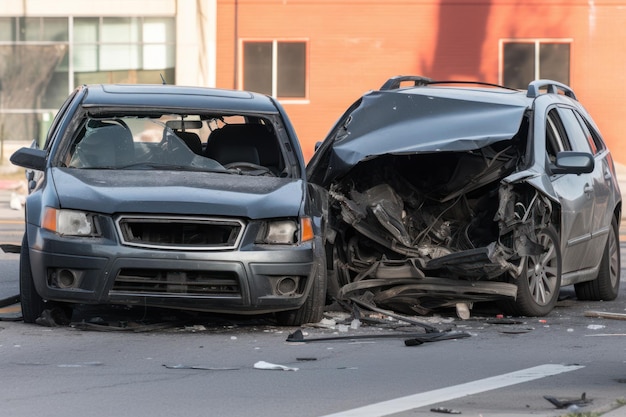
[[445, 194], [178, 197]]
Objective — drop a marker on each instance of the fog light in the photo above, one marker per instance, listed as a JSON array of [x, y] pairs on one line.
[[287, 285], [64, 278]]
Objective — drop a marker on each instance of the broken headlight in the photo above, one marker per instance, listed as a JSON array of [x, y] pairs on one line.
[[286, 231], [69, 222]]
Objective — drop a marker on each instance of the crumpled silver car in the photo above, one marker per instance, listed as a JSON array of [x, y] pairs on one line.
[[169, 196], [444, 194]]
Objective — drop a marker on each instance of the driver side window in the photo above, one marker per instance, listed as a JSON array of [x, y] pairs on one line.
[[556, 139]]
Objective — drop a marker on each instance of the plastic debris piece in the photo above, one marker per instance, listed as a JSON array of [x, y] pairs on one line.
[[463, 311], [562, 403], [516, 330], [273, 367], [355, 324], [445, 410]]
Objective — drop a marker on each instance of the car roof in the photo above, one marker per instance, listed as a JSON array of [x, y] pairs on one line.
[[173, 96], [427, 116], [494, 95]]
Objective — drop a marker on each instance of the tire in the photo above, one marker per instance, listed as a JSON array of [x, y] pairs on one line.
[[312, 310], [540, 281], [606, 286], [32, 303]]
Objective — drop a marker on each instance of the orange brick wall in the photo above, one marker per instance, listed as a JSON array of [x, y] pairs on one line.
[[355, 45]]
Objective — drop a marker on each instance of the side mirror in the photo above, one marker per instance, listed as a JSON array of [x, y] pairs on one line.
[[570, 162], [29, 158], [317, 145]]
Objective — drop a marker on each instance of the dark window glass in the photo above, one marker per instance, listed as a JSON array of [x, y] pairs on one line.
[[257, 73], [554, 61], [291, 69], [574, 131], [593, 137], [519, 64]]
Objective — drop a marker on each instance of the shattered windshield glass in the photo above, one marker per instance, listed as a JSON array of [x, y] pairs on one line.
[[172, 142]]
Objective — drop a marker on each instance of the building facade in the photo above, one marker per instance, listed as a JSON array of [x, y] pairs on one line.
[[315, 56]]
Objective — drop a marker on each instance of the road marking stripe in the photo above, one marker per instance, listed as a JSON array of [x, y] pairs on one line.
[[410, 402]]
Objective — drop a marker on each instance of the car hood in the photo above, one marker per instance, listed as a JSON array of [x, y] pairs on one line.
[[393, 123], [177, 192]]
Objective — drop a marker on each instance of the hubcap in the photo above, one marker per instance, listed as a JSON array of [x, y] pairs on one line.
[[542, 272]]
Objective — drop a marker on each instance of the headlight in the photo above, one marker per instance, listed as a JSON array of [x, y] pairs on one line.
[[287, 231], [69, 222]]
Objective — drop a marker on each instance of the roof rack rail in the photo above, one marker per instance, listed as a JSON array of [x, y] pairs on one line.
[[394, 82], [551, 86]]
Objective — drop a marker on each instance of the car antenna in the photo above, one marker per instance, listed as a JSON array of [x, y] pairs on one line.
[[163, 79]]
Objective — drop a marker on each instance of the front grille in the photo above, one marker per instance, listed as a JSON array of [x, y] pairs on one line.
[[154, 281], [180, 233]]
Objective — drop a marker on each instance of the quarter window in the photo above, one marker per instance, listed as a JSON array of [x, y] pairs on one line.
[[277, 68], [528, 60]]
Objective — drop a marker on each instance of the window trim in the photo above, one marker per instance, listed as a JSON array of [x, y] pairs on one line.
[[275, 42]]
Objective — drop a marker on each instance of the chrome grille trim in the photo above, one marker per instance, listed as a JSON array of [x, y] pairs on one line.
[[180, 232]]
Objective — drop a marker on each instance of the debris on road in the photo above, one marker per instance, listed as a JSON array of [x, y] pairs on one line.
[[445, 410], [605, 315], [562, 403], [412, 339], [52, 318], [273, 367]]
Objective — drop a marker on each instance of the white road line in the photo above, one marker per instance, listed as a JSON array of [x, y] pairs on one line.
[[410, 402]]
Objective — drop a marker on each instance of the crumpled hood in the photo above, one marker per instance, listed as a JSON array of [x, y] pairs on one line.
[[393, 123], [177, 192]]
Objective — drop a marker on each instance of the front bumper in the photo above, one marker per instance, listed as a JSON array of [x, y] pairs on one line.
[[253, 279]]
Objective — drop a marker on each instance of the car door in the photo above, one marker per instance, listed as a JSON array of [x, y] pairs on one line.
[[575, 193], [600, 184]]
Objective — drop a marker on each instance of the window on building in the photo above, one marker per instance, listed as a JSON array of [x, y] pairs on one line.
[[525, 61], [46, 57], [123, 49], [277, 68]]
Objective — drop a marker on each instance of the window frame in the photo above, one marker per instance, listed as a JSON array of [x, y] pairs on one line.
[[537, 46], [275, 41]]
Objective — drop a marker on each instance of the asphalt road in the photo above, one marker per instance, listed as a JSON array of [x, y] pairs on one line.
[[155, 363]]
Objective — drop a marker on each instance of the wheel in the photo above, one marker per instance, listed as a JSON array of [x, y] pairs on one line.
[[312, 310], [540, 281], [606, 286], [32, 303]]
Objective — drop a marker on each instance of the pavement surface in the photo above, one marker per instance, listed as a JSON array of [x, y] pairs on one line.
[[12, 194]]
